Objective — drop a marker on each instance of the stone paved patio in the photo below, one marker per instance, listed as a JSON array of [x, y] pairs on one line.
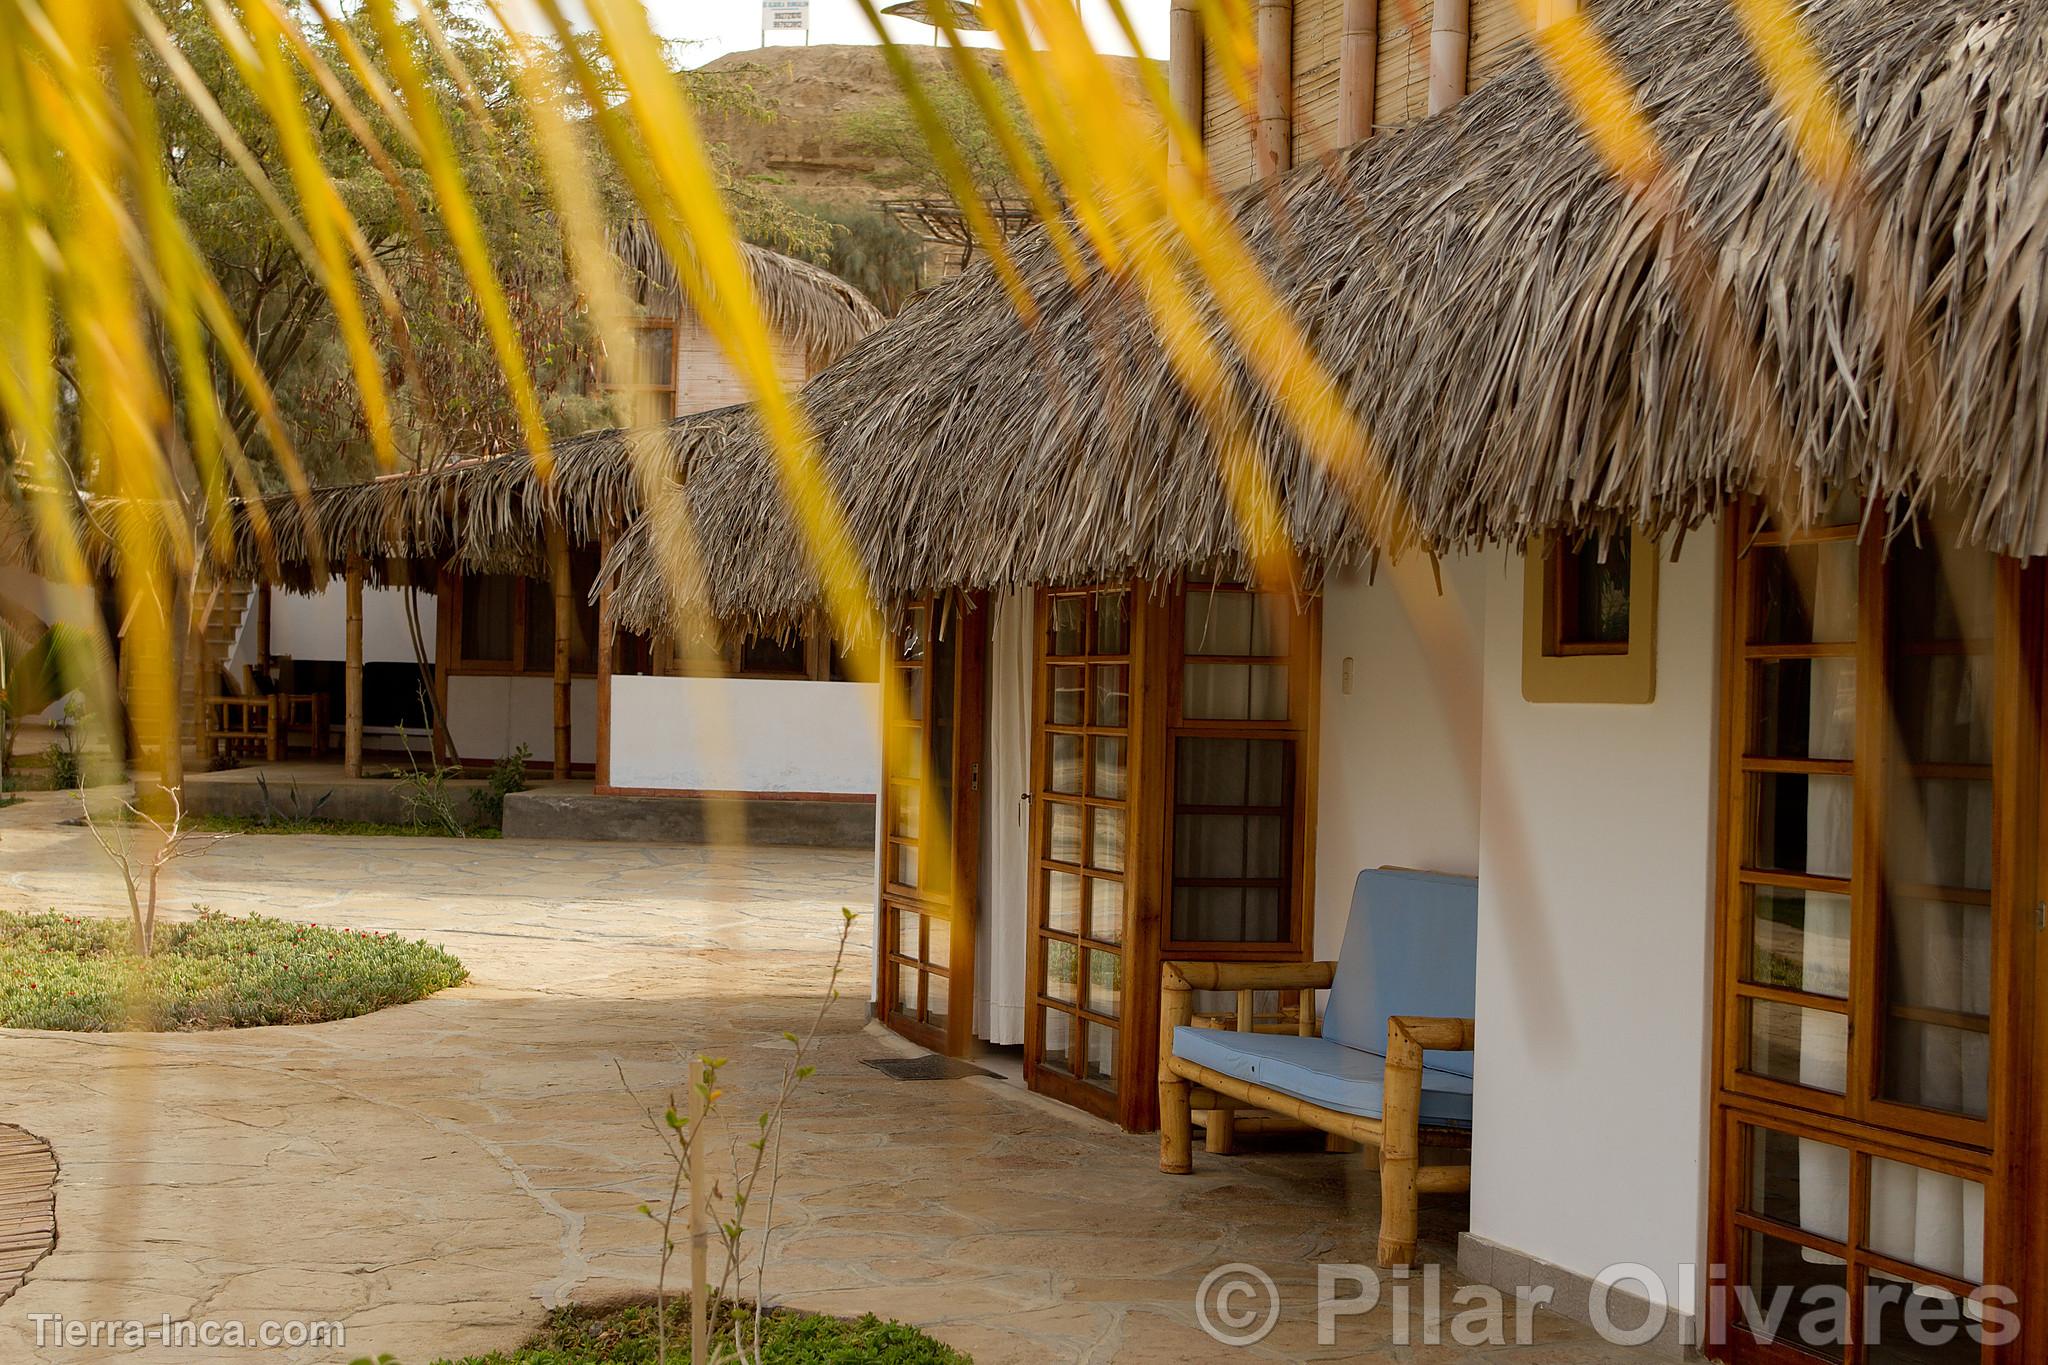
[[434, 1175]]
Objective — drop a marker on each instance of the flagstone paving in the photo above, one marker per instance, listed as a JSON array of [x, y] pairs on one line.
[[434, 1176]]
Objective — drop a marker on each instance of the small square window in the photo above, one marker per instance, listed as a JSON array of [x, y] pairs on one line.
[[1589, 620]]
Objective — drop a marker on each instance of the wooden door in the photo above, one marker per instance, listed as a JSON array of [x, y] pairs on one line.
[[1086, 921], [933, 703], [1879, 903]]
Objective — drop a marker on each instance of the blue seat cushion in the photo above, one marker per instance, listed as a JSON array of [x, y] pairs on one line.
[[1411, 946], [1330, 1075]]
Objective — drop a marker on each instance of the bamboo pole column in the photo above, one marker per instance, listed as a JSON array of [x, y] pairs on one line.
[[1450, 45], [565, 626], [1184, 70], [1273, 151], [607, 643], [1358, 71], [352, 674], [1176, 1120]]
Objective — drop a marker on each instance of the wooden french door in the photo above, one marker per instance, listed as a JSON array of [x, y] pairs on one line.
[[1088, 932], [934, 666], [1877, 1109]]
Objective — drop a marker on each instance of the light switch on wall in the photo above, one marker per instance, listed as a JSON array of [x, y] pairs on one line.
[[1345, 680]]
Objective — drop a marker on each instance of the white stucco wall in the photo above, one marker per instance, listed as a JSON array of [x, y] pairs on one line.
[[489, 716], [745, 735], [1398, 776], [315, 626], [1595, 891]]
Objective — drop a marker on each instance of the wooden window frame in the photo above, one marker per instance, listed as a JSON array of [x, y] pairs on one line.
[[724, 659], [1303, 661], [1996, 1150], [630, 392], [1555, 670], [530, 595]]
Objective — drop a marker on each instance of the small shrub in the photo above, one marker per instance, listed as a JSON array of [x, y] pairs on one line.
[[217, 971], [427, 802], [508, 775], [626, 1333]]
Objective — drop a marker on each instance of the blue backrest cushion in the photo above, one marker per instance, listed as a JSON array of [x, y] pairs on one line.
[[1411, 947]]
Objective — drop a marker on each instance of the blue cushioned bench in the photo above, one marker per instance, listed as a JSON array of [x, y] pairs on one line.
[[1391, 1065]]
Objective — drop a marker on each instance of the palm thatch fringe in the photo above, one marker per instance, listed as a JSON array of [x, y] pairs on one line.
[[805, 304], [1530, 343]]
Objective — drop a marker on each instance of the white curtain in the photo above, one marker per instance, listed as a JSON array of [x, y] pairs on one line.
[[1002, 936]]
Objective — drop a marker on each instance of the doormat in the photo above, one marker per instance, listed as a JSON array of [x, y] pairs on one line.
[[931, 1067]]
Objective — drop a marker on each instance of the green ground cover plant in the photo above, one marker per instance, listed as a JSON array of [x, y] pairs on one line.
[[625, 1334], [81, 973]]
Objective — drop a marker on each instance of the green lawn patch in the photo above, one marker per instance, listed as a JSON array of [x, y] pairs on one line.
[[218, 971], [624, 1334]]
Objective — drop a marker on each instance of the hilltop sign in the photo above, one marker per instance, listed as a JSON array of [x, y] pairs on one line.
[[785, 16]]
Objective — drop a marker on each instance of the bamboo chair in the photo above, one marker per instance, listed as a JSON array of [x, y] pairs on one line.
[[1411, 945], [252, 722]]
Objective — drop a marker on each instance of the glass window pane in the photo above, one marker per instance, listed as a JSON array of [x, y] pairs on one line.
[[1266, 772], [1268, 699], [1804, 594], [1810, 1284], [1216, 621], [935, 987], [1063, 902], [903, 809], [1112, 623], [1939, 592], [1106, 838], [1056, 1041], [1265, 847], [1208, 914], [906, 864], [1595, 609], [1068, 680], [1211, 772], [1799, 940], [1917, 1325], [1105, 981], [1112, 695], [655, 352], [1216, 691], [1264, 921], [1799, 1181], [938, 941], [1937, 1039], [1206, 846], [1105, 910], [1803, 708], [1062, 971], [1110, 775], [907, 925], [489, 605], [1800, 1046], [1063, 832], [1068, 628], [906, 991], [1063, 765], [1926, 1218], [1101, 1068], [1800, 822], [1940, 833], [1942, 706]]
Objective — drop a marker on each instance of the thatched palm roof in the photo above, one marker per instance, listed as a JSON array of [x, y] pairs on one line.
[[1516, 329], [489, 515]]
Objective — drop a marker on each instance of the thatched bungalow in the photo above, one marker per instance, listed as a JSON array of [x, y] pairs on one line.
[[499, 563], [1686, 589]]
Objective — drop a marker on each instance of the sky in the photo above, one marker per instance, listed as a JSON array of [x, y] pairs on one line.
[[714, 27]]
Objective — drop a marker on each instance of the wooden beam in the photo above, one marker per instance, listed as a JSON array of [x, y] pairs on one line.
[[565, 627], [607, 637], [1450, 45], [352, 675], [1273, 150], [1184, 69], [1358, 70]]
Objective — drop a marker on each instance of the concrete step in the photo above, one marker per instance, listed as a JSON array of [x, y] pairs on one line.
[[767, 818]]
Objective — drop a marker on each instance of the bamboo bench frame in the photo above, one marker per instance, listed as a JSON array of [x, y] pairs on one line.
[[262, 722], [1399, 1134]]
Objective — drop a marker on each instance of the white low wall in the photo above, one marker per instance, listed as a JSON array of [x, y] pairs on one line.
[[489, 716], [745, 735], [1595, 920], [315, 626]]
